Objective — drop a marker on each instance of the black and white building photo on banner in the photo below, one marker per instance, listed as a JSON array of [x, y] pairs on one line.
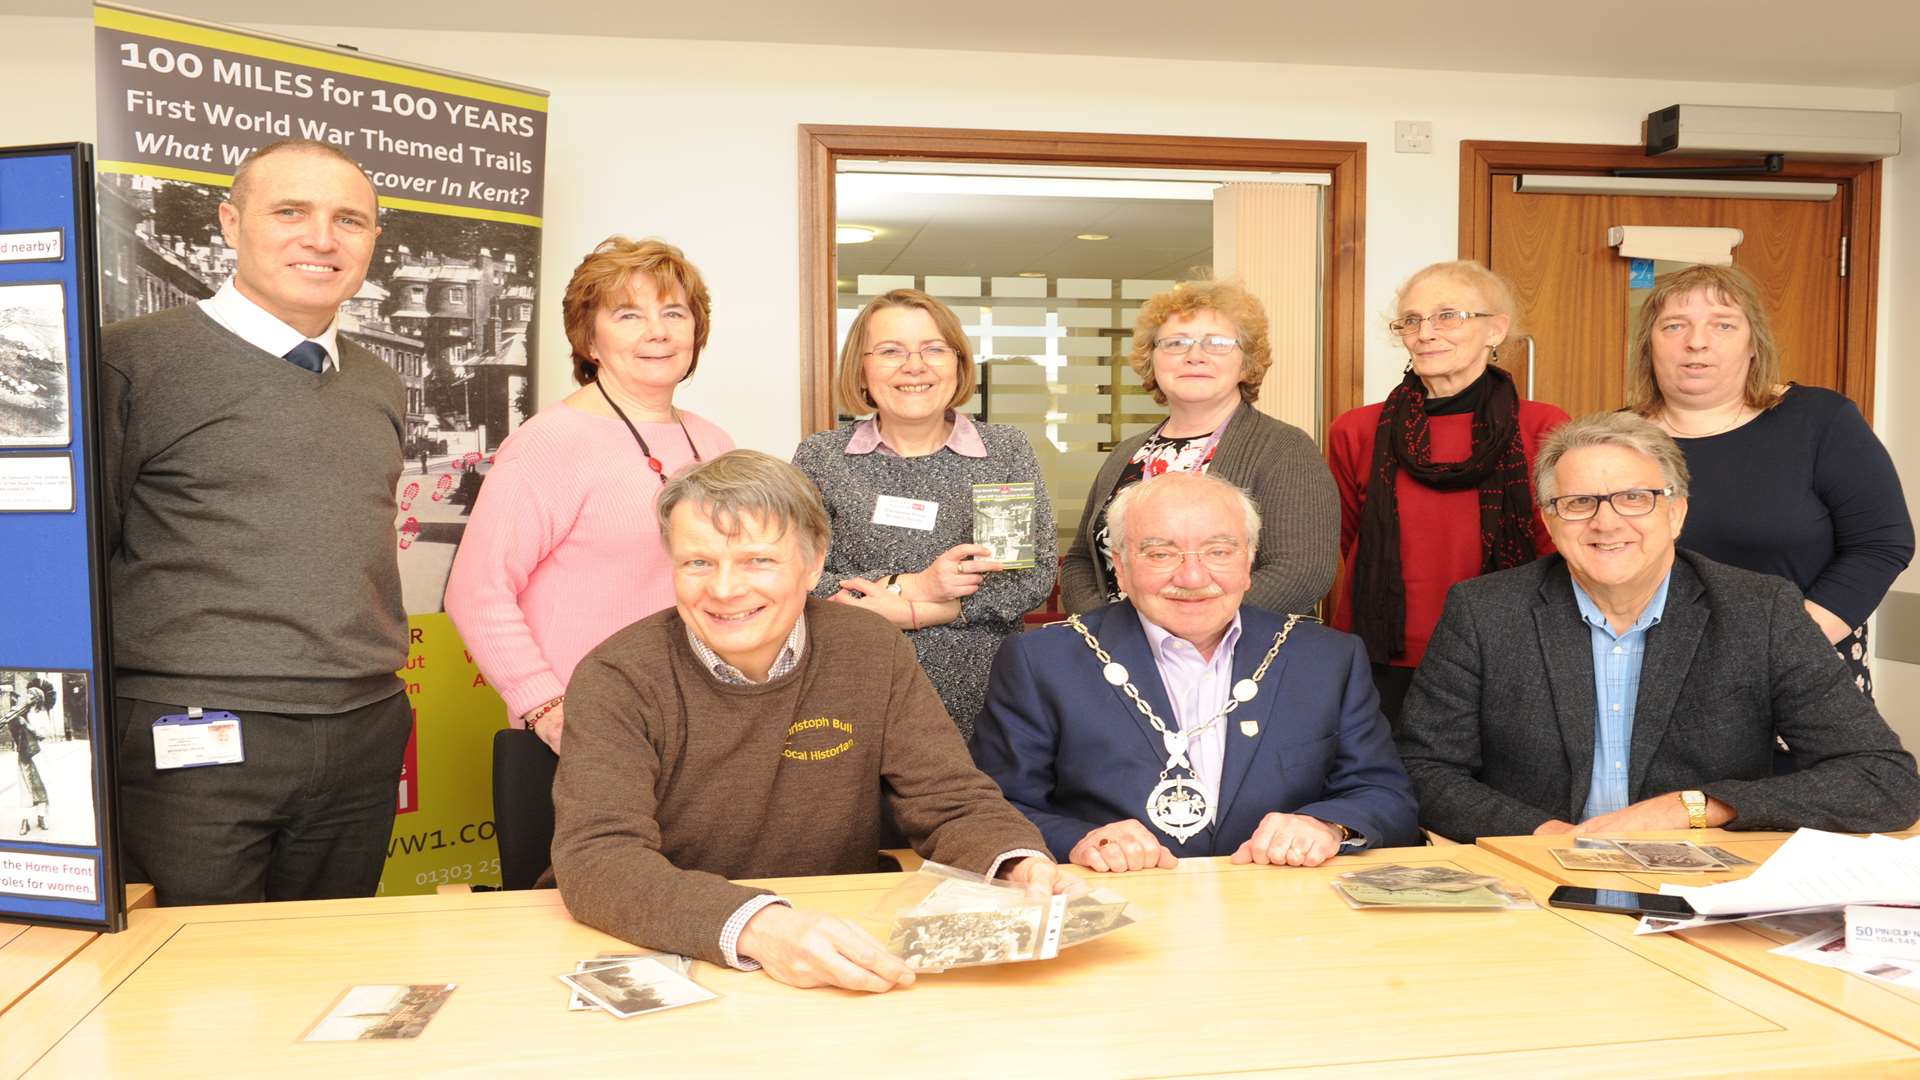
[[46, 779], [33, 364]]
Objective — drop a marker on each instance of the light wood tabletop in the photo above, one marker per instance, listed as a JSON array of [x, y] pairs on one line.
[[1894, 1010], [28, 954], [1241, 969]]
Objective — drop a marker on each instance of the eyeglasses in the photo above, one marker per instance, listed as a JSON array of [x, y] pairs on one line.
[[1633, 502], [1212, 344], [1213, 557], [933, 355], [1441, 320]]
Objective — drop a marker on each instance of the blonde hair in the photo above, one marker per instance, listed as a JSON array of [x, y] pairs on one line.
[[850, 383], [1233, 302], [1721, 284]]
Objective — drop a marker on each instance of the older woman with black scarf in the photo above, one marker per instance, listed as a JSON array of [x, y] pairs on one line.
[[1434, 481]]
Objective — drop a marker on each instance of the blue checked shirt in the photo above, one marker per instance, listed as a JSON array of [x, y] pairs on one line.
[[1616, 689]]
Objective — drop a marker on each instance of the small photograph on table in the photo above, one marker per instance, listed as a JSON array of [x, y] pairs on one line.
[[637, 987], [46, 758], [381, 1011], [968, 938]]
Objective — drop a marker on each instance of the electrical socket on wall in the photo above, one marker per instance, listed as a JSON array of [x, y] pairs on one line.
[[1413, 136]]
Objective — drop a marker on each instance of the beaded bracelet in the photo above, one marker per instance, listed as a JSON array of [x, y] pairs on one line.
[[533, 718]]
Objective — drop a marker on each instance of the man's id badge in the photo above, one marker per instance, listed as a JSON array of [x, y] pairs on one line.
[[905, 513], [196, 738]]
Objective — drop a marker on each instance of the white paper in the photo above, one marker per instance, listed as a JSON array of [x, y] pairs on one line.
[[1816, 869], [1828, 949], [42, 482], [905, 513]]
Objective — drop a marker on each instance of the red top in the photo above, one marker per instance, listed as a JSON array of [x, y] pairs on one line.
[[1439, 530]]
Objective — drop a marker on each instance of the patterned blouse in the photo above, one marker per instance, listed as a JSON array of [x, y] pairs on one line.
[[1159, 454]]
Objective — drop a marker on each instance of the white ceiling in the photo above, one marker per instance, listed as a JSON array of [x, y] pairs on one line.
[[1859, 43]]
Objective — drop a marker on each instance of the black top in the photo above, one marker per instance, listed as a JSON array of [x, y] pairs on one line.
[[1804, 491]]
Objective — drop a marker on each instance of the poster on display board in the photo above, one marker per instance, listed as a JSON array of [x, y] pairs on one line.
[[450, 303], [59, 841]]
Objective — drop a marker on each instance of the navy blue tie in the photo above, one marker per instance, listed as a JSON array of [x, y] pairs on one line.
[[308, 354]]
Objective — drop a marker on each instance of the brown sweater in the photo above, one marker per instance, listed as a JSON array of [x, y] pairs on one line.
[[673, 782]]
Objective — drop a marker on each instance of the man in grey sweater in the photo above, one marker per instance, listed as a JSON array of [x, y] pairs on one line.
[[249, 462]]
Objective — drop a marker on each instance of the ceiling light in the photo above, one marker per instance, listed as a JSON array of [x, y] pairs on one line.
[[1032, 273], [1092, 236], [853, 234]]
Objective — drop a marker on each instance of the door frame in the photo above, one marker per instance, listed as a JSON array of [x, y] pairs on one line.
[[1343, 319], [1859, 183]]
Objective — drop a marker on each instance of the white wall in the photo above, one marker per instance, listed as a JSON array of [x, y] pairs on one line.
[[695, 142], [1897, 389]]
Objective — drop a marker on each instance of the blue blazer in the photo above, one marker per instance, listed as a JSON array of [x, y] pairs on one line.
[[1073, 753]]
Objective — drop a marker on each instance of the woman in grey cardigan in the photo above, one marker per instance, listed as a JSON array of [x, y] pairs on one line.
[[1202, 350], [901, 489]]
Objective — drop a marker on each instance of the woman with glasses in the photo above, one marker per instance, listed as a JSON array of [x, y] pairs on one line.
[[1787, 479], [911, 489], [1201, 349], [1434, 481], [563, 547]]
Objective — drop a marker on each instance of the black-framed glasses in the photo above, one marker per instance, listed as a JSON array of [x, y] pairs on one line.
[[934, 355], [1633, 502], [1441, 320], [1182, 344]]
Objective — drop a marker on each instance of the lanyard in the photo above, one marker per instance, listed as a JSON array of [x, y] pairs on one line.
[[652, 462]]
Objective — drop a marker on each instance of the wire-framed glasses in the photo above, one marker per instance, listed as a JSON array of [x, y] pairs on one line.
[[1441, 320], [1182, 344]]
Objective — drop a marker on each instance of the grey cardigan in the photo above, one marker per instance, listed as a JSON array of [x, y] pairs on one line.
[[1497, 734], [1277, 464]]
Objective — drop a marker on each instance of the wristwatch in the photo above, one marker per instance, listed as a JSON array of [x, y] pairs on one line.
[[1696, 804], [893, 584]]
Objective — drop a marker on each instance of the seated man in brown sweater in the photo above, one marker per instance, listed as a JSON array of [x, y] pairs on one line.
[[751, 731]]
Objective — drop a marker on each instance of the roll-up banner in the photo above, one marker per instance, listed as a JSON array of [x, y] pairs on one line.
[[450, 303]]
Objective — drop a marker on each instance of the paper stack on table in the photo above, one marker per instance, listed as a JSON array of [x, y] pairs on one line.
[[1812, 871], [1815, 869]]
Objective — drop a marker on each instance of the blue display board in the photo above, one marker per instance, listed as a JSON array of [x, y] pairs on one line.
[[59, 836]]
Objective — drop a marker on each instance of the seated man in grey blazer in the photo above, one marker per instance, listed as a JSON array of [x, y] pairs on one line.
[[1620, 685]]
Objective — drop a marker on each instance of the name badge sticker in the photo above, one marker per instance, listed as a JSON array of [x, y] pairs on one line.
[[196, 739], [905, 513]]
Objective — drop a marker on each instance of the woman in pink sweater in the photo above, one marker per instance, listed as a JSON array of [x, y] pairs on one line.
[[563, 547]]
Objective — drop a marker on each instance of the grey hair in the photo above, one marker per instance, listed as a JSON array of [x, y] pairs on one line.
[[1623, 429], [749, 483], [1197, 484]]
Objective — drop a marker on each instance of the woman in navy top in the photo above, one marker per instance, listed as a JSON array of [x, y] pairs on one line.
[[1787, 479]]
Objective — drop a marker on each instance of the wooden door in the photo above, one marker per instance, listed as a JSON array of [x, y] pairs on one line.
[[1572, 288]]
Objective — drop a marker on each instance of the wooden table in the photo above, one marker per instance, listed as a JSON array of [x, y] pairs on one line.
[[1242, 969], [28, 954], [1893, 1010]]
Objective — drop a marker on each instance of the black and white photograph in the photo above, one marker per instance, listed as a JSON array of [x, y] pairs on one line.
[[448, 304], [1003, 522], [577, 1003], [1091, 917], [384, 1011], [967, 938], [1669, 856], [637, 987], [34, 388], [46, 789]]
